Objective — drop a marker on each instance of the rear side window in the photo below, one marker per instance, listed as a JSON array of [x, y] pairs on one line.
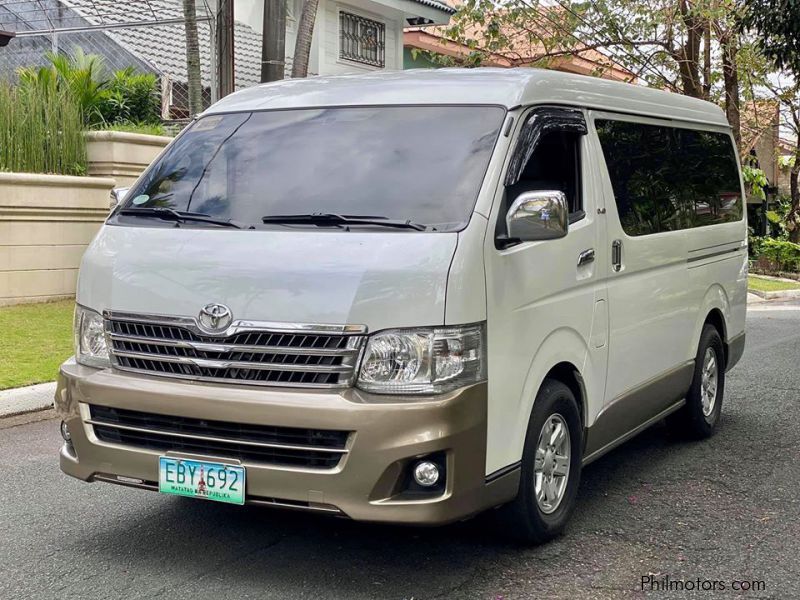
[[666, 178]]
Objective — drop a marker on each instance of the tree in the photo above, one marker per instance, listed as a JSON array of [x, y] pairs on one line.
[[305, 33], [686, 46], [777, 23], [194, 83]]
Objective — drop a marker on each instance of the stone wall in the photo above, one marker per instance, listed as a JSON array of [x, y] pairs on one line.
[[46, 222], [122, 155]]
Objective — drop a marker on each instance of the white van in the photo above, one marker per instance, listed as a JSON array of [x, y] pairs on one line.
[[410, 296]]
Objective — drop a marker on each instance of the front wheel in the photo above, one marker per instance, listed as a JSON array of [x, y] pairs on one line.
[[551, 467]]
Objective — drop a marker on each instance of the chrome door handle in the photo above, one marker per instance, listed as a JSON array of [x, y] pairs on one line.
[[616, 255], [585, 257]]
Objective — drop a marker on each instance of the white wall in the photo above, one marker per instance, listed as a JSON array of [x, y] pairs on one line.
[[330, 62], [324, 59]]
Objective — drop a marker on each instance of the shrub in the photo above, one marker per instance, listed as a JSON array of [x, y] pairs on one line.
[[131, 97], [41, 129], [124, 96], [778, 255]]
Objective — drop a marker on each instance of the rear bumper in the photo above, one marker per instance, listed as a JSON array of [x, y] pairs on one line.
[[388, 433]]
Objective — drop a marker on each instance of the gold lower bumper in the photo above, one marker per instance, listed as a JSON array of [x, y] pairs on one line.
[[389, 432]]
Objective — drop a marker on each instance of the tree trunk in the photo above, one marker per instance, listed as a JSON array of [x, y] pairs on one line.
[[707, 61], [194, 83], [688, 57], [305, 33], [730, 73]]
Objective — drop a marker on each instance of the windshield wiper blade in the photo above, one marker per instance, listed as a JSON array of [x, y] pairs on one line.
[[340, 220], [175, 215]]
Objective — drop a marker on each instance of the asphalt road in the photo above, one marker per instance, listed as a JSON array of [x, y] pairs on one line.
[[722, 510]]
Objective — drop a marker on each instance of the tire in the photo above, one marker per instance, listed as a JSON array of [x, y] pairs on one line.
[[527, 519], [698, 418]]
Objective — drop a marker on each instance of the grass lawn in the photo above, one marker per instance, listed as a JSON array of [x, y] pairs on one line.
[[34, 340], [770, 285]]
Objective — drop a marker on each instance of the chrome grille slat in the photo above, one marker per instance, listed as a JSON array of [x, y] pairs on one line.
[[219, 347], [266, 444], [231, 364], [317, 356]]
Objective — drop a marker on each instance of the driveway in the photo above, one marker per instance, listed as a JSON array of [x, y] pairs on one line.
[[723, 510]]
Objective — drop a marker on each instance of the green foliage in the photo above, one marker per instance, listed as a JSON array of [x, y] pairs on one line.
[[124, 96], [131, 97], [755, 181], [778, 25], [41, 128], [81, 74], [147, 129], [778, 255]]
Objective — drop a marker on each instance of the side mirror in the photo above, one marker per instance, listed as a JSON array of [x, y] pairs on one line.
[[535, 216], [117, 196]]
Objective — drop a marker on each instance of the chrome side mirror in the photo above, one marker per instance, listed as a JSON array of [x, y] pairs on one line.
[[535, 216], [117, 196]]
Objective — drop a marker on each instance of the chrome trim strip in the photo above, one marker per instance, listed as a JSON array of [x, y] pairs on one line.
[[192, 324], [232, 364], [231, 381], [352, 348], [212, 438]]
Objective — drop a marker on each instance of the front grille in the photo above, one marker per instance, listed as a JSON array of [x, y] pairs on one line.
[[265, 444], [251, 356]]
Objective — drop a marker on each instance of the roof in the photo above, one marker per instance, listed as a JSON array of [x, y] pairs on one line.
[[156, 48], [438, 5], [511, 88], [162, 47]]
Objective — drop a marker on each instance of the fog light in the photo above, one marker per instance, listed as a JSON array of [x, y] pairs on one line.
[[65, 432], [426, 473]]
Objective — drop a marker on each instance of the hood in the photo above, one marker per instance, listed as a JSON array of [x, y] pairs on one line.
[[375, 278]]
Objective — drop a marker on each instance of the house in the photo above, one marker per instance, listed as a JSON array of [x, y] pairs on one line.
[[525, 48], [96, 29], [352, 36]]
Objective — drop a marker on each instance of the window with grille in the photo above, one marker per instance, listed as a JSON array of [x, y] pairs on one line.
[[362, 40]]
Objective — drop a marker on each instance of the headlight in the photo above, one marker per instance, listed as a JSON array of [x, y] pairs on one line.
[[424, 361], [90, 338]]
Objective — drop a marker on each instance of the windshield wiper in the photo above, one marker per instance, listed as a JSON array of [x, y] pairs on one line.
[[323, 219], [171, 214]]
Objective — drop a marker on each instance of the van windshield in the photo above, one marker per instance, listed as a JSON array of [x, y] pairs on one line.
[[423, 164]]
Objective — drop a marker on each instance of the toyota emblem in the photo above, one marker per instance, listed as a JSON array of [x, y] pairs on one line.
[[215, 317]]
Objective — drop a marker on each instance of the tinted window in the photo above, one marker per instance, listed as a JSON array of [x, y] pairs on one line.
[[665, 178], [425, 164], [554, 165]]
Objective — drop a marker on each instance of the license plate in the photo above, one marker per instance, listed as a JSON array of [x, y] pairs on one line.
[[201, 479]]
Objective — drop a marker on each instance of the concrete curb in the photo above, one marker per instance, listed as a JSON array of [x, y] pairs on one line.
[[777, 295], [27, 399]]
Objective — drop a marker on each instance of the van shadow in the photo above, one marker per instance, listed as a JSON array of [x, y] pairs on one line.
[[296, 551]]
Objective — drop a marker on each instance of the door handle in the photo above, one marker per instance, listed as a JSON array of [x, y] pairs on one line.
[[585, 257], [616, 255]]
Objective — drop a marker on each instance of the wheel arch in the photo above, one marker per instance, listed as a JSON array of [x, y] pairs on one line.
[[561, 356], [715, 310]]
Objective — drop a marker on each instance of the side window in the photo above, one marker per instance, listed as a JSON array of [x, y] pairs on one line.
[[554, 165], [666, 178]]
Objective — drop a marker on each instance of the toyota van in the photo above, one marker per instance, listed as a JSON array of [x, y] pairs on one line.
[[410, 296]]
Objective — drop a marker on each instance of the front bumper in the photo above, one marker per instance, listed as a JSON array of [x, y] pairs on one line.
[[389, 431]]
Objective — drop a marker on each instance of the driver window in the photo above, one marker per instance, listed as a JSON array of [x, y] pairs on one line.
[[554, 165]]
